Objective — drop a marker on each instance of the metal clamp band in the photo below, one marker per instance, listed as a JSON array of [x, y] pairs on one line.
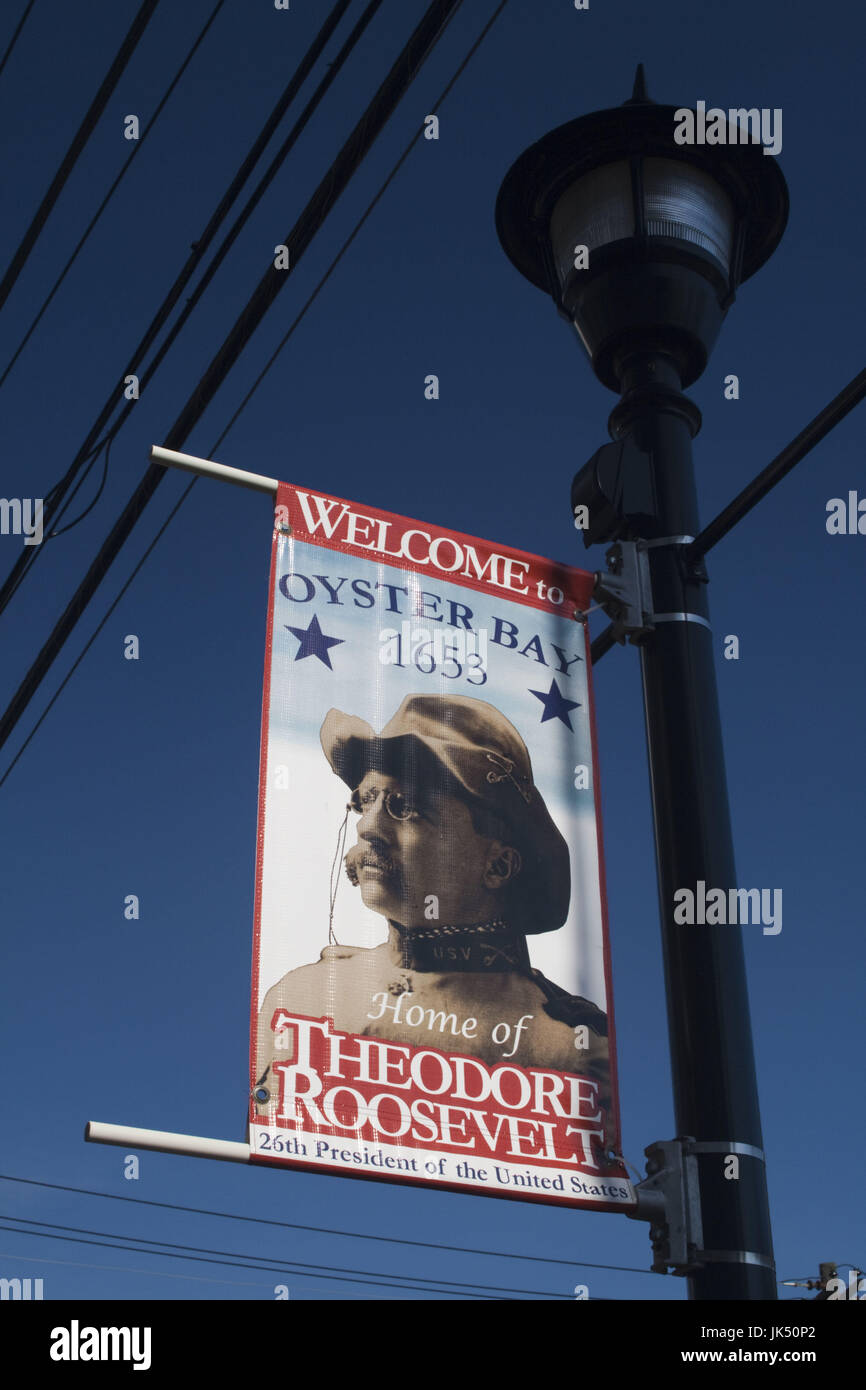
[[741, 1257], [718, 1146], [667, 540], [681, 618]]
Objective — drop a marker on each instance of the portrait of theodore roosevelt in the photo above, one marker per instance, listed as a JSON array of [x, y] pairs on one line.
[[457, 850]]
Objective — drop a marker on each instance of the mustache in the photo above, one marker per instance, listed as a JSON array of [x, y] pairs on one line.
[[361, 855]]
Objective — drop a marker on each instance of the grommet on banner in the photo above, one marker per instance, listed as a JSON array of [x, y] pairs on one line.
[[261, 1094]]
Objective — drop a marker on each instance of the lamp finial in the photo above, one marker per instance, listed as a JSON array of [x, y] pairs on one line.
[[639, 91]]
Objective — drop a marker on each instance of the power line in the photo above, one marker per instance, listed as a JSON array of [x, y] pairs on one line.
[[127, 1269], [281, 1266], [90, 446], [840, 1264], [320, 1230], [262, 186], [602, 644], [14, 39], [89, 508], [757, 489], [378, 111], [782, 464], [166, 1254], [173, 513], [29, 556], [348, 1277], [139, 145], [79, 140], [86, 648], [356, 229], [164, 1274], [245, 213]]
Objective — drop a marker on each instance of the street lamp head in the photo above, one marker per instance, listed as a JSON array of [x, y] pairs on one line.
[[642, 241]]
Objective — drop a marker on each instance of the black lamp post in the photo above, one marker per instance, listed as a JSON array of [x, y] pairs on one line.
[[642, 243]]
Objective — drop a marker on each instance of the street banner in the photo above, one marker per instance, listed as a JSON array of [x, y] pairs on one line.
[[431, 998]]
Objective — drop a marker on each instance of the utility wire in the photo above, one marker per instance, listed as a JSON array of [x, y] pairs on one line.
[[840, 1264], [139, 144], [240, 221], [602, 644], [199, 1259], [260, 188], [757, 489], [128, 1269], [356, 229], [199, 247], [383, 104], [164, 1274], [79, 140], [320, 1230], [29, 555], [90, 460], [280, 1266], [86, 648], [70, 673], [14, 39], [89, 508]]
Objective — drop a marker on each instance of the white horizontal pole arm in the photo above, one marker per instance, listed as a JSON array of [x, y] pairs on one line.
[[163, 1140], [170, 459]]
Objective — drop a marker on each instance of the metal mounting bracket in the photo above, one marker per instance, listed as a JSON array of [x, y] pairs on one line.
[[625, 592], [669, 1199]]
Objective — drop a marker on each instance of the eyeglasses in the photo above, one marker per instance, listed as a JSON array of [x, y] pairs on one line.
[[399, 806]]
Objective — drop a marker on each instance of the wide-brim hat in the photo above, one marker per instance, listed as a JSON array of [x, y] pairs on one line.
[[470, 749]]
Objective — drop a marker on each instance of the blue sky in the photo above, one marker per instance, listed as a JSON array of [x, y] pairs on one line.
[[143, 777]]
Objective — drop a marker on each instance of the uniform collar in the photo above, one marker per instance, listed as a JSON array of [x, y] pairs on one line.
[[489, 947]]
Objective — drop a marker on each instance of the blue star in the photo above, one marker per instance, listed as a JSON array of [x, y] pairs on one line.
[[314, 642], [556, 706]]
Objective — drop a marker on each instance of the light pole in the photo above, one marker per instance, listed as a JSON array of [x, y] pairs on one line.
[[642, 242]]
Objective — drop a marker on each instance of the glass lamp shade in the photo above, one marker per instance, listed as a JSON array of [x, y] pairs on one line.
[[671, 232], [681, 202]]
